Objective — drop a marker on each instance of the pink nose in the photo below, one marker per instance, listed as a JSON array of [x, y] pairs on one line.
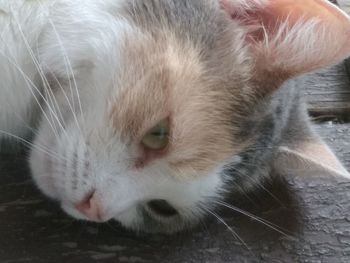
[[91, 208]]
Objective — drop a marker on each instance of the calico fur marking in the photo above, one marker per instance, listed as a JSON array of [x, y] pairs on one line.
[[216, 72], [201, 130]]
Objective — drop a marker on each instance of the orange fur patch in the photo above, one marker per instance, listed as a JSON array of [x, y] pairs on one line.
[[174, 83]]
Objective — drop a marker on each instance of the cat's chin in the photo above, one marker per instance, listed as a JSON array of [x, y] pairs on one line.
[[72, 212], [136, 219]]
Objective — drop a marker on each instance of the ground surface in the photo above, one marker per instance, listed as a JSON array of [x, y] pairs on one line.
[[312, 212]]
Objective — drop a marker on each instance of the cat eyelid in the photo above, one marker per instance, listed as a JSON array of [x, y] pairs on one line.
[[148, 153], [149, 127]]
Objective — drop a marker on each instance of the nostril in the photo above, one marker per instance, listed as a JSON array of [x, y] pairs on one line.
[[162, 208], [85, 205], [90, 207]]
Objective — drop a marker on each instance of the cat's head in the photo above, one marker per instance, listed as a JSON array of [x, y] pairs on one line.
[[148, 99]]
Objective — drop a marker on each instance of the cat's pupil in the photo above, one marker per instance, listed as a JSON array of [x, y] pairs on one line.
[[157, 138], [161, 133]]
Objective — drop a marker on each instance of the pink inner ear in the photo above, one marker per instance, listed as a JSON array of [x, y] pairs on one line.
[[295, 9], [284, 37], [271, 12]]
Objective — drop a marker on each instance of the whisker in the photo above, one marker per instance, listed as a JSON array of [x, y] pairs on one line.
[[255, 218], [112, 227], [234, 233], [31, 85], [24, 122], [55, 104], [37, 147], [39, 69], [258, 183], [242, 190], [65, 95], [69, 68]]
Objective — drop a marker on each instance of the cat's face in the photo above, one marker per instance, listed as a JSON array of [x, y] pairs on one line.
[[152, 136], [141, 122]]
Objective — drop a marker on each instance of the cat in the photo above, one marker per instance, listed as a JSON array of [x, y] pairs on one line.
[[150, 112]]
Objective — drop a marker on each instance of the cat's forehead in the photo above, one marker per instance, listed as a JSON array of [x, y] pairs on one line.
[[158, 74], [185, 67], [164, 71], [198, 20], [167, 77]]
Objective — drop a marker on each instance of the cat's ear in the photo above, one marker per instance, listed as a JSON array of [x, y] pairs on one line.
[[292, 37], [310, 156]]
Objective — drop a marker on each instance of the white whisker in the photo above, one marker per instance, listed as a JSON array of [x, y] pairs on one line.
[[255, 218], [64, 94], [32, 86], [39, 69], [257, 182], [28, 143], [234, 233], [69, 68]]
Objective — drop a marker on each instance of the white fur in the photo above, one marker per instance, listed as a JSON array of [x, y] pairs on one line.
[[22, 24], [19, 33]]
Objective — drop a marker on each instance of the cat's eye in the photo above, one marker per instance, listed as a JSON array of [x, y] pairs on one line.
[[158, 137]]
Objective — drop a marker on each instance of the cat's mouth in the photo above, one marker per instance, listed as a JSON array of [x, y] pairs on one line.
[[161, 209], [161, 216]]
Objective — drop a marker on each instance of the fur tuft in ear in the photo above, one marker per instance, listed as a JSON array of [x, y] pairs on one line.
[[292, 37]]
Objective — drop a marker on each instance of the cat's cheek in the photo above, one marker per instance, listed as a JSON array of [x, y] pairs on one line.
[[40, 172], [42, 161]]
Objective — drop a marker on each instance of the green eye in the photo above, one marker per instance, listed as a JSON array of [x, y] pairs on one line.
[[158, 137]]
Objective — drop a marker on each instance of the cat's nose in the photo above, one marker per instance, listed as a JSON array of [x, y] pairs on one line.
[[91, 207]]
